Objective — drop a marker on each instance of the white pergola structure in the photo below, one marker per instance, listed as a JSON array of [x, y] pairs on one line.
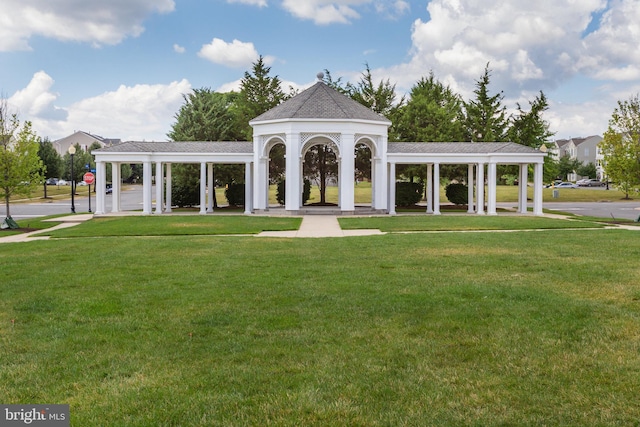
[[320, 115], [161, 155], [478, 156]]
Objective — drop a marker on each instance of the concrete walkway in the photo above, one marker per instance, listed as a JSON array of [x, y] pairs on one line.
[[65, 222], [314, 226]]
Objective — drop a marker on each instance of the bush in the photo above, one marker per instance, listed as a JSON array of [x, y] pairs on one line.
[[235, 194], [280, 190], [458, 194], [184, 195], [408, 193]]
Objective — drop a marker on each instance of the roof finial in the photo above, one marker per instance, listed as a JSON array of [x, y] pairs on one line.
[[320, 76]]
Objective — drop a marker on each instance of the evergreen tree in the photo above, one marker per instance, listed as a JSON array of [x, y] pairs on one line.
[[486, 117], [380, 98], [433, 113], [258, 93], [206, 116], [529, 127], [51, 161]]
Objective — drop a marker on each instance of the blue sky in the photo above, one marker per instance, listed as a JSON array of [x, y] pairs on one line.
[[119, 68]]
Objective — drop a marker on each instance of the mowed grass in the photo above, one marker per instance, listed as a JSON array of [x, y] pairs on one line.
[[171, 225], [423, 222], [418, 329]]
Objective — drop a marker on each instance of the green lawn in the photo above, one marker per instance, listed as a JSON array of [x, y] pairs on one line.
[[515, 328]]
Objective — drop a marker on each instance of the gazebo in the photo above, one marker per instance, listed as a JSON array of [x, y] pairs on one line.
[[320, 115]]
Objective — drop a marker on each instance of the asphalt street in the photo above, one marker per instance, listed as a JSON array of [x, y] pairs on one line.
[[132, 200]]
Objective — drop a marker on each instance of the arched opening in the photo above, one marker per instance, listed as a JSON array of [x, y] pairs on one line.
[[363, 191], [321, 168], [276, 174]]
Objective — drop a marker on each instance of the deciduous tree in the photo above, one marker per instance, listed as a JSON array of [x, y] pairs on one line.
[[20, 165], [621, 146]]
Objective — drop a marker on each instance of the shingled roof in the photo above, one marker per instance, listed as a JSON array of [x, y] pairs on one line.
[[320, 102], [235, 147], [459, 148]]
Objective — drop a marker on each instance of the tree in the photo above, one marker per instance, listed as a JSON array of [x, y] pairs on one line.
[[380, 98], [320, 164], [566, 166], [258, 93], [621, 146], [433, 113], [528, 127], [588, 170], [20, 166], [531, 129], [205, 116], [486, 117], [51, 161]]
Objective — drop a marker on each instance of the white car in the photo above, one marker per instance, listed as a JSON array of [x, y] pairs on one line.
[[566, 185]]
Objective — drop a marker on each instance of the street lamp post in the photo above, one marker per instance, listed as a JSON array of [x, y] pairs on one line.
[[72, 151]]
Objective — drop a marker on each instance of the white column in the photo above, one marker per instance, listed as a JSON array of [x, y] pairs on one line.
[[293, 191], [392, 188], [347, 172], [101, 187], [248, 193], [492, 182], [429, 188], [146, 187], [203, 188], [116, 186], [522, 188], [169, 202], [480, 189], [470, 189], [436, 188], [537, 189], [211, 187], [373, 182], [159, 187]]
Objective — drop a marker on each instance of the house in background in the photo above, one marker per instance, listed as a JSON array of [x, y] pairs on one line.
[[85, 140], [585, 150]]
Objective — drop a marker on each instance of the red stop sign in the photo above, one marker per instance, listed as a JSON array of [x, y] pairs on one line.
[[89, 178]]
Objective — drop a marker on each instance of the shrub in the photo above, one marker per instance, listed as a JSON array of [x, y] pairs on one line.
[[280, 190], [235, 194], [408, 193], [458, 194]]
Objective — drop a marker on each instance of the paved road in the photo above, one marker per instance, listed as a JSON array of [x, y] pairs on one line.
[[132, 200]]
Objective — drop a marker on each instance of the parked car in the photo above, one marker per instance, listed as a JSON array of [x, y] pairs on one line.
[[62, 182], [566, 185], [591, 183], [52, 181], [81, 183]]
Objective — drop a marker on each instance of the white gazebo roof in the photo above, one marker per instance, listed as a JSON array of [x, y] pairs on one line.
[[320, 102]]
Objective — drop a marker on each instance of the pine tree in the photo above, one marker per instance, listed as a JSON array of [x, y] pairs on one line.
[[486, 117]]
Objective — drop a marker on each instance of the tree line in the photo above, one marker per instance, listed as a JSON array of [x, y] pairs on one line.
[[430, 112]]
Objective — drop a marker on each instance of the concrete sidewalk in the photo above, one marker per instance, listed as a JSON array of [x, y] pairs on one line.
[[65, 221], [315, 226]]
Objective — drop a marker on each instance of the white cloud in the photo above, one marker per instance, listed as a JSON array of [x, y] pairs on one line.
[[36, 100], [129, 113], [260, 3], [531, 46], [236, 54], [105, 22], [324, 12], [178, 49]]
